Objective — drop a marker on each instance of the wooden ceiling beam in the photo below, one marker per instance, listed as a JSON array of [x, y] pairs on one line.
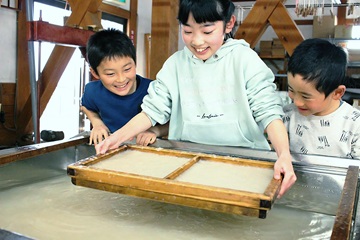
[[274, 13], [47, 83], [285, 28], [120, 12], [256, 22], [46, 32], [80, 9]]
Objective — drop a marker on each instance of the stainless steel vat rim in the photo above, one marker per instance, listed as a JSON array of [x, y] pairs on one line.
[[4, 234], [299, 160]]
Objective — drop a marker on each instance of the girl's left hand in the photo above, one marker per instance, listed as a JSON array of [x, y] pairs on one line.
[[145, 138], [283, 166]]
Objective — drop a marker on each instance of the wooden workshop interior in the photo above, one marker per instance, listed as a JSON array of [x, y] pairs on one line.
[[254, 18], [56, 184]]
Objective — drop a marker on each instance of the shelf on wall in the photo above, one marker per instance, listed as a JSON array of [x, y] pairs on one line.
[[272, 56]]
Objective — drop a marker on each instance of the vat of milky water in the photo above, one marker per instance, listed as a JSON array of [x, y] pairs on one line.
[[38, 201]]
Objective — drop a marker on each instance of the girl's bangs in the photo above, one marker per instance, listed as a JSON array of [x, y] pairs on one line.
[[202, 12]]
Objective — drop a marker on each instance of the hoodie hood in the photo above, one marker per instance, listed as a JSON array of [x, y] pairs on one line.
[[227, 47]]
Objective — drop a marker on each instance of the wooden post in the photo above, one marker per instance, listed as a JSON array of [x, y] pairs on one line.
[[164, 33], [23, 80], [132, 23], [345, 211], [147, 44]]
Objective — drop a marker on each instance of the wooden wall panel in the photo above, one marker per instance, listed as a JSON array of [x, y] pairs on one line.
[[164, 33], [7, 100]]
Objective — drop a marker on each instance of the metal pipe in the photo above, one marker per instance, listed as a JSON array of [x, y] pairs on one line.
[[33, 83]]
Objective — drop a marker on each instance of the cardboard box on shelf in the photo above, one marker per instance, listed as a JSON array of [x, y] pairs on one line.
[[324, 27], [264, 45], [265, 53], [265, 48], [272, 49], [277, 43], [278, 52]]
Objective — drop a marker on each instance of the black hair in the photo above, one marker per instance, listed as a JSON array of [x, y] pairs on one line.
[[206, 11], [109, 44], [320, 62]]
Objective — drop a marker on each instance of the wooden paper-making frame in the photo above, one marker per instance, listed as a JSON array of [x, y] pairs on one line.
[[169, 190]]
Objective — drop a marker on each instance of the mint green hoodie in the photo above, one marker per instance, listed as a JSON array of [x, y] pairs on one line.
[[227, 100]]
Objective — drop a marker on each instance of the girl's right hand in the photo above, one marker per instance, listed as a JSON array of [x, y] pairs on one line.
[[109, 143], [140, 123]]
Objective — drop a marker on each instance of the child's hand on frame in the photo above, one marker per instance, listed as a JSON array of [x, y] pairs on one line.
[[145, 138], [98, 134]]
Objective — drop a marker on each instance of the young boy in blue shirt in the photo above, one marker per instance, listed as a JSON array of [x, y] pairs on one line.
[[318, 121], [116, 98]]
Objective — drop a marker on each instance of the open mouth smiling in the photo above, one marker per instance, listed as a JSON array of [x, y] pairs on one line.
[[201, 50], [122, 85]]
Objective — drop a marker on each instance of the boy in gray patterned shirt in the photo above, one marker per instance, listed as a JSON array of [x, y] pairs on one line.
[[318, 121]]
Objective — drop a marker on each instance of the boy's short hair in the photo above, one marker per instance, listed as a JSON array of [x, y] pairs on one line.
[[109, 44], [320, 62]]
